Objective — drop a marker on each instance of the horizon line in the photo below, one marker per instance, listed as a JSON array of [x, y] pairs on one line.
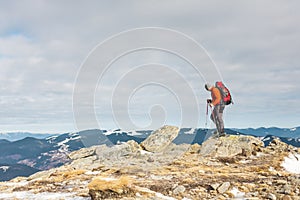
[[114, 129]]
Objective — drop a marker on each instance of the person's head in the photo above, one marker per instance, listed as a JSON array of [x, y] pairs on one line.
[[208, 86]]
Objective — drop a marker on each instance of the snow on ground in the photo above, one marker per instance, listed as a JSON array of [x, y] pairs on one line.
[[92, 172], [14, 184], [163, 197], [292, 163], [238, 194], [39, 196], [157, 194], [143, 152]]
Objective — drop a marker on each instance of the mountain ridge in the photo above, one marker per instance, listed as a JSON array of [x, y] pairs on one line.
[[293, 132], [50, 152], [230, 167]]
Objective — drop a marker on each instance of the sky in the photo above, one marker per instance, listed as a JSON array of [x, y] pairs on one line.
[[71, 65]]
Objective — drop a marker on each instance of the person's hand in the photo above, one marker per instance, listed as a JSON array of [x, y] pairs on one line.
[[211, 105]]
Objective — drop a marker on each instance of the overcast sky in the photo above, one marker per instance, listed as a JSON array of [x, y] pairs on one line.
[[252, 46]]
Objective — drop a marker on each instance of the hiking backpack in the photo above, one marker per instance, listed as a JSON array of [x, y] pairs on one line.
[[226, 96]]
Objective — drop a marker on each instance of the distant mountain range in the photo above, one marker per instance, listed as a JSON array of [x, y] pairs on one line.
[[8, 172], [278, 132], [14, 136], [30, 154], [260, 132]]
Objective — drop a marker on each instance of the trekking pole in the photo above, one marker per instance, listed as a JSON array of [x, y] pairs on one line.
[[212, 113], [206, 115]]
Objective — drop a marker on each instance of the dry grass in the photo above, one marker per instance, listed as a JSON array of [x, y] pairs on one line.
[[65, 175], [118, 185], [72, 174]]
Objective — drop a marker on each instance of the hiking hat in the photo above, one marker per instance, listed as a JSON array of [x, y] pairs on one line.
[[208, 86]]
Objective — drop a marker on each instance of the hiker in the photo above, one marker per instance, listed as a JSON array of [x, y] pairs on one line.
[[218, 107]]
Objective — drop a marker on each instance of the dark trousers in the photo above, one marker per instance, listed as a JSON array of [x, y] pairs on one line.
[[217, 117]]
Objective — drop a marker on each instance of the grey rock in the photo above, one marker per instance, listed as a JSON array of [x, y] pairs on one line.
[[179, 189], [215, 186], [160, 139], [294, 179], [271, 196], [84, 163], [287, 189], [286, 197], [281, 182], [209, 146], [224, 187], [171, 153], [231, 146], [41, 174], [130, 148], [82, 153]]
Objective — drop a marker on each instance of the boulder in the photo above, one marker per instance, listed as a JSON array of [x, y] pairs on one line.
[[82, 153], [125, 150], [179, 190], [160, 139], [84, 163], [224, 187], [231, 146]]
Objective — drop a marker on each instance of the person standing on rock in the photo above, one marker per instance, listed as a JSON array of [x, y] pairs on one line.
[[217, 108]]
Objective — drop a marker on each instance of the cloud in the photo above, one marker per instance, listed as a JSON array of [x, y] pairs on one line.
[[254, 44]]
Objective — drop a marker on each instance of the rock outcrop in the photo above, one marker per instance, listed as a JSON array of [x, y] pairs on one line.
[[160, 139], [231, 146], [231, 167]]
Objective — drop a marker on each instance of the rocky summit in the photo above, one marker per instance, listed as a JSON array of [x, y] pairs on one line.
[[230, 167]]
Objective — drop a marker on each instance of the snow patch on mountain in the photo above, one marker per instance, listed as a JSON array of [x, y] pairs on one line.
[[130, 132], [51, 138], [4, 168], [191, 131], [266, 139], [134, 133], [67, 140], [109, 132]]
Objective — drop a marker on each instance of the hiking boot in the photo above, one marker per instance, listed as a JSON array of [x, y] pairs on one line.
[[215, 134], [223, 134]]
